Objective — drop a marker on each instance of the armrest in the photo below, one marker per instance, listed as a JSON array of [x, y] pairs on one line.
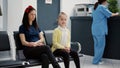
[[76, 46]]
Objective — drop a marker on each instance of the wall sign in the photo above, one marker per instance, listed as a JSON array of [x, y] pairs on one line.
[[48, 1]]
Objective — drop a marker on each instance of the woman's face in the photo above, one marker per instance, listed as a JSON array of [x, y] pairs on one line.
[[62, 20], [32, 15], [105, 2]]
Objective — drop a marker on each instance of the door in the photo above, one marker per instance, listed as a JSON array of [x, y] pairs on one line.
[[47, 14]]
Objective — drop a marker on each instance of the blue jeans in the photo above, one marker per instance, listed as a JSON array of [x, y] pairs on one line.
[[99, 46]]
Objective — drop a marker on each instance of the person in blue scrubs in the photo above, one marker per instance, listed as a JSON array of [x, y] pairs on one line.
[[33, 41], [100, 28]]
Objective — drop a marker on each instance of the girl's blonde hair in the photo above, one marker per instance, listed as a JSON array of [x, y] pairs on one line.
[[62, 13]]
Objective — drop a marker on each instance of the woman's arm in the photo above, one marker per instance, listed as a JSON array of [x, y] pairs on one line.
[[115, 14], [41, 41], [107, 12], [24, 42]]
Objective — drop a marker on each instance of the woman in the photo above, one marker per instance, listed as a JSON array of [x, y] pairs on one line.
[[33, 40], [99, 28], [61, 42]]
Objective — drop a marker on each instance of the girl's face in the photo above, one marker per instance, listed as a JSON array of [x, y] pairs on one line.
[[62, 20], [32, 15]]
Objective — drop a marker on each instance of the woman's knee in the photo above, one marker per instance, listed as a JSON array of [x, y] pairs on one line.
[[46, 47], [44, 58]]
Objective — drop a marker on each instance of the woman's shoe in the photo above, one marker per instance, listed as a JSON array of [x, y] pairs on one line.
[[101, 62]]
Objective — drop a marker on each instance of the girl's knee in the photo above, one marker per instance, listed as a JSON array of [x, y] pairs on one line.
[[73, 53], [65, 55]]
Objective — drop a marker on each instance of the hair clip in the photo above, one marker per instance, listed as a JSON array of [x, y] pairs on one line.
[[28, 8]]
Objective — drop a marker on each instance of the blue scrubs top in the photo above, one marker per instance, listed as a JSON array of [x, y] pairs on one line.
[[99, 24], [31, 34]]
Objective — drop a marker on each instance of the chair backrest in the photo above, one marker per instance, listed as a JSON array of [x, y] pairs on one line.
[[4, 41], [48, 37], [4, 46], [18, 43], [19, 46]]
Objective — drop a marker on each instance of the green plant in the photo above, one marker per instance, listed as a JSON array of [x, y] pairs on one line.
[[113, 6]]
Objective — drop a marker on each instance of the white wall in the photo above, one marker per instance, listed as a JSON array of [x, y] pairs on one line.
[[1, 17], [15, 12], [68, 5], [26, 3], [13, 20], [17, 7]]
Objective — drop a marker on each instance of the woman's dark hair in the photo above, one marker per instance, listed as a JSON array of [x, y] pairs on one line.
[[25, 20], [99, 2]]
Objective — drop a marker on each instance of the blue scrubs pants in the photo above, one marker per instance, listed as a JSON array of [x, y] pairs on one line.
[[99, 46]]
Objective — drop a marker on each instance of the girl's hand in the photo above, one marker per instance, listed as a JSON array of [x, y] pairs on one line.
[[67, 49]]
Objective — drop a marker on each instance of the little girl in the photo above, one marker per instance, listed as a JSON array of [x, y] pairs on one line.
[[61, 42]]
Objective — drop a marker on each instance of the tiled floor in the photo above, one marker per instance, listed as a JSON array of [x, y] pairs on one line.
[[86, 63]]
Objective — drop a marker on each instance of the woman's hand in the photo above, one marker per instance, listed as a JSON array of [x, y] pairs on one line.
[[34, 44], [115, 14], [40, 44]]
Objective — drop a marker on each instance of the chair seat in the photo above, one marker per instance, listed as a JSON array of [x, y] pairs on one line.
[[10, 63], [32, 62]]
